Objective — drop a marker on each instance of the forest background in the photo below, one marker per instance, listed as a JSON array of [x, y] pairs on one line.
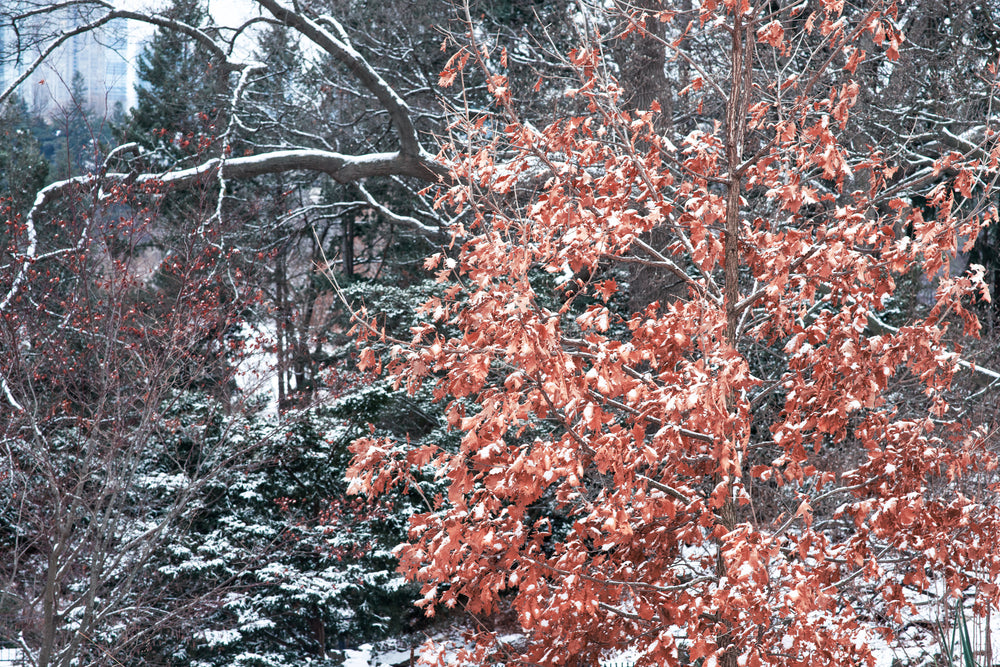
[[649, 328]]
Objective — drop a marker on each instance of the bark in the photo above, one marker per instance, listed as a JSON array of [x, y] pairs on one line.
[[642, 60], [348, 248], [741, 55]]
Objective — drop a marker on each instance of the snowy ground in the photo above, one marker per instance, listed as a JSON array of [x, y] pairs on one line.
[[918, 645], [362, 657], [384, 656]]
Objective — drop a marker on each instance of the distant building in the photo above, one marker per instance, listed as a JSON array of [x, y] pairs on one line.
[[99, 56], [12, 657]]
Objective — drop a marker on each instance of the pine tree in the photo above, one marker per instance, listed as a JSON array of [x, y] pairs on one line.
[[78, 134], [177, 106], [284, 565]]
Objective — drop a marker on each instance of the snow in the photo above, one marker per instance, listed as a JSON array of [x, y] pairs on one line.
[[360, 657], [11, 657], [256, 375], [917, 644], [918, 639], [220, 637], [393, 657], [382, 655], [624, 658]]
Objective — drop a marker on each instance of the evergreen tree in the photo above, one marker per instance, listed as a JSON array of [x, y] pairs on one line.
[[77, 134], [177, 107], [285, 566], [23, 169]]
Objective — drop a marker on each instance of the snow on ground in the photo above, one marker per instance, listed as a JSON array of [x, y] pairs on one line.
[[256, 374], [394, 657], [361, 657], [624, 658], [441, 647], [919, 636], [918, 643]]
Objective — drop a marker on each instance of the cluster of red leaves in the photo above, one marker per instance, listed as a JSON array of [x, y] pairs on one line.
[[636, 430], [93, 330]]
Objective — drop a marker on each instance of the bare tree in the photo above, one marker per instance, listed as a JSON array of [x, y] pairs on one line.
[[97, 353], [305, 147]]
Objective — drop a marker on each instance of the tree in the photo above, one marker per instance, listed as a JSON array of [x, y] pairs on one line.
[[158, 540], [281, 567], [608, 449], [317, 123], [22, 166], [735, 473], [300, 148], [78, 134], [95, 356], [178, 98]]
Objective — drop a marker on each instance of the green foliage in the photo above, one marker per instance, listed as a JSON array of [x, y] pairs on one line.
[[177, 109], [23, 169], [286, 566], [959, 638]]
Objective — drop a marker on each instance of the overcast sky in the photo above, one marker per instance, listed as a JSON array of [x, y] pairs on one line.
[[223, 11]]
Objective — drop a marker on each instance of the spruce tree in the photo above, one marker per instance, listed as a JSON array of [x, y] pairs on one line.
[[177, 107], [78, 134]]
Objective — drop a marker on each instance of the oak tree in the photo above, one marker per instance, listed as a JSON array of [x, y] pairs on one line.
[[661, 478]]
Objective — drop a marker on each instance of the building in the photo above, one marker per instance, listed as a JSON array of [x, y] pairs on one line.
[[12, 657], [99, 56]]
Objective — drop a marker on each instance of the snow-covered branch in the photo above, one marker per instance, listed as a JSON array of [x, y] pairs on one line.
[[409, 160], [340, 47], [405, 220], [340, 167]]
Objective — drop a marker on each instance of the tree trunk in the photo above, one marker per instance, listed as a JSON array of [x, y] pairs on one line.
[[319, 634], [280, 333], [736, 126], [348, 247]]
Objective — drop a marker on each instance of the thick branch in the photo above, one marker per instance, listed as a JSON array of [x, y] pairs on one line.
[[340, 48], [340, 167]]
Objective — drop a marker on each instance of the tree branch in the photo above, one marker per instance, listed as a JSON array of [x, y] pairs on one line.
[[341, 48], [153, 19]]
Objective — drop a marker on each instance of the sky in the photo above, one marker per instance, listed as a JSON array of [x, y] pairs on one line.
[[223, 11]]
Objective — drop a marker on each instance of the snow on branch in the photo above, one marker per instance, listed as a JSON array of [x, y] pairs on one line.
[[340, 47], [407, 221], [342, 168], [410, 160]]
